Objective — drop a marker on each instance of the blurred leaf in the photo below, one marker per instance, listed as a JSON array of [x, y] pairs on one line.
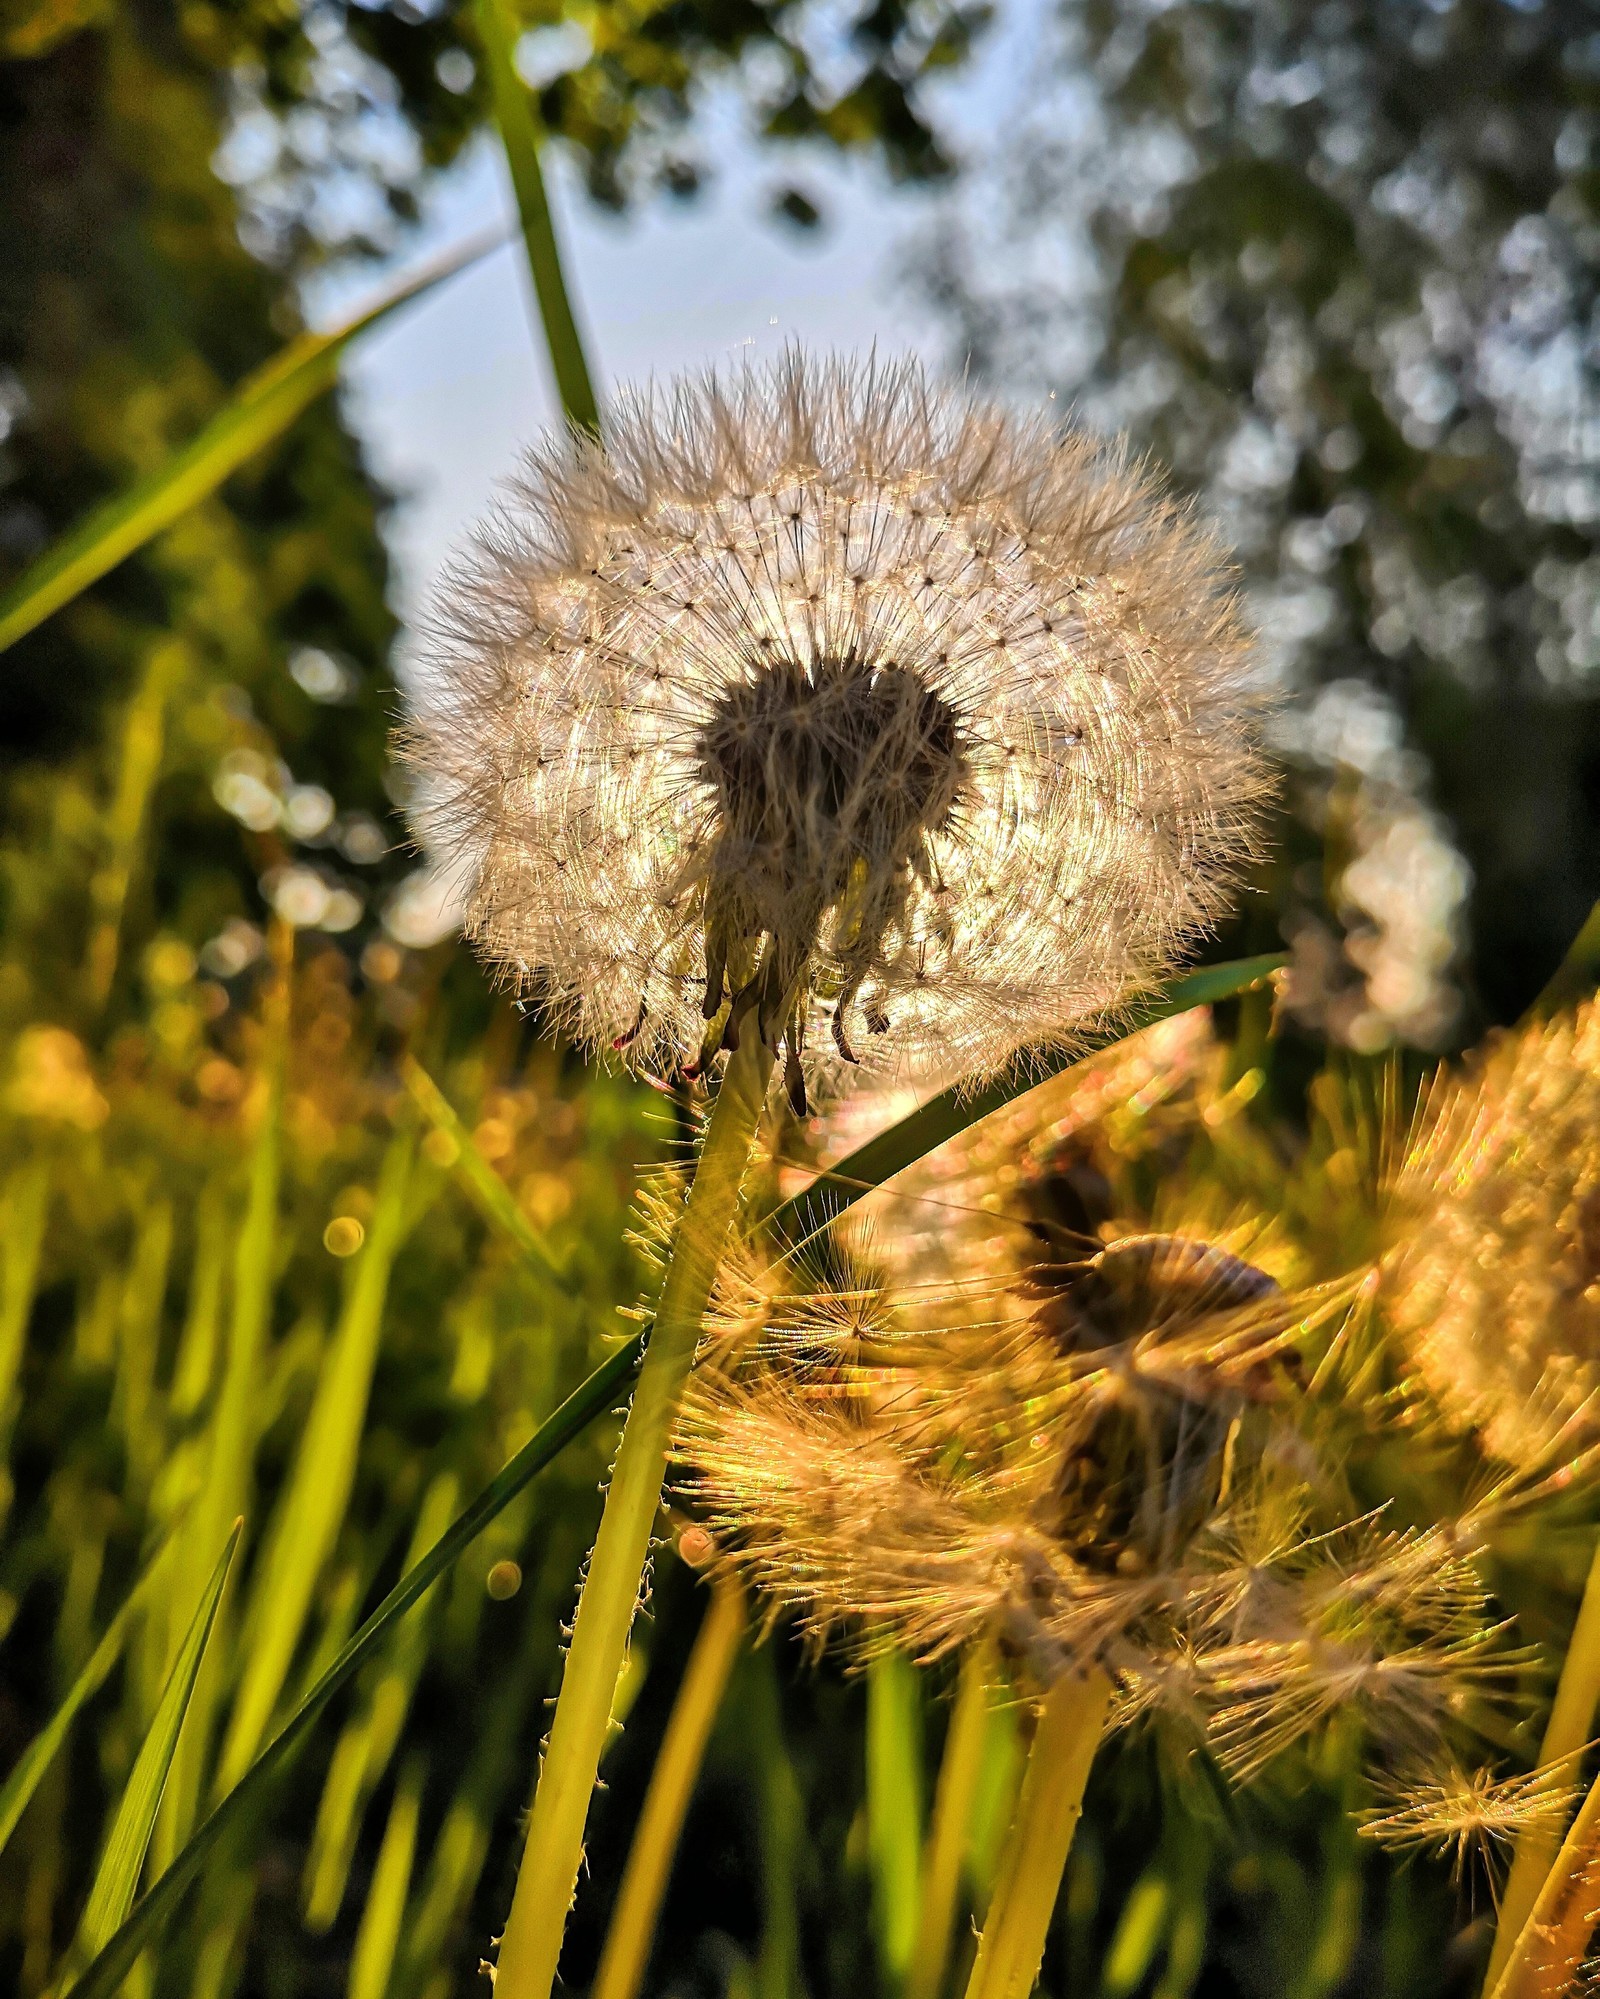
[[31, 1765], [514, 114], [104, 1976], [229, 1445], [118, 1876], [370, 1740], [894, 1806], [490, 1192], [313, 1508], [262, 406], [841, 1185], [27, 1207], [372, 1962]]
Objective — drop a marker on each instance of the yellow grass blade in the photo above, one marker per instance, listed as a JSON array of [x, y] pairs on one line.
[[372, 1961], [481, 1181]]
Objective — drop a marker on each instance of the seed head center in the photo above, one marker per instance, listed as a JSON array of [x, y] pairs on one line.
[[827, 782]]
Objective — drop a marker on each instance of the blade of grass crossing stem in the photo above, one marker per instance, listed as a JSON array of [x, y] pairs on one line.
[[31, 1765], [582, 1407], [954, 1110], [231, 1443], [261, 408], [666, 1804], [378, 1938], [894, 1807], [598, 1393], [487, 1189], [318, 1497], [112, 1894], [514, 113]]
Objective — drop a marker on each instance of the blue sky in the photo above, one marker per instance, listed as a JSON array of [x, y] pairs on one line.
[[446, 394]]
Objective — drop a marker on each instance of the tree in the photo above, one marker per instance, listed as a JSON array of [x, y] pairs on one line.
[[1338, 266]]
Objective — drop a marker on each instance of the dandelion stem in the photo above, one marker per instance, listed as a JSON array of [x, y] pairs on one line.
[[545, 1886], [1548, 1950], [672, 1782], [1011, 1949], [949, 1838], [1571, 1718]]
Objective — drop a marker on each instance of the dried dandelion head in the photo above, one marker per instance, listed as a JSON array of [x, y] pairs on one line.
[[921, 728], [1493, 1282], [1131, 1481]]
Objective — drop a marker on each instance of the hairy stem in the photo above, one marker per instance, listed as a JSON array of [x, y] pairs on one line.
[[1548, 1951], [1070, 1726], [1571, 1718], [672, 1782], [950, 1836], [531, 1946]]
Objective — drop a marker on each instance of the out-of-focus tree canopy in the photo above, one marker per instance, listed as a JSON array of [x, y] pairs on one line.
[[1338, 264]]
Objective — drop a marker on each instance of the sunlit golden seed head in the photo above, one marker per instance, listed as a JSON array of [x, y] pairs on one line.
[[1493, 1280], [915, 729]]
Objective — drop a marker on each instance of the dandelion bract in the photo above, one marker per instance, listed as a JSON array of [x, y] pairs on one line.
[[921, 726]]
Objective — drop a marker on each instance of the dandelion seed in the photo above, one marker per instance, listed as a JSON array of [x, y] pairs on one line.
[[913, 731], [1467, 1815]]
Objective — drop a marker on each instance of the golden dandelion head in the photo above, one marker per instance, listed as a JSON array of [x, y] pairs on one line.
[[1155, 1497], [1493, 1282], [921, 727]]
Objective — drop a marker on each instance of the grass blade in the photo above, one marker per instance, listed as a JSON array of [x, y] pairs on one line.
[[103, 1978], [486, 1187], [313, 1509], [31, 1765], [263, 406], [666, 1803], [378, 1938], [841, 1185], [894, 1808], [118, 1875], [514, 115]]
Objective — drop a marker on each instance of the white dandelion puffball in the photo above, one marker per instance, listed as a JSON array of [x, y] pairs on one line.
[[917, 729]]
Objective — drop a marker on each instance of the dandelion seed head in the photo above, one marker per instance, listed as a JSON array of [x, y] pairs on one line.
[[1493, 1283], [830, 692], [1470, 1815]]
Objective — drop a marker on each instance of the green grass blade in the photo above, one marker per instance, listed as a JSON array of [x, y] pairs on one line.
[[841, 1185], [378, 1938], [103, 1978], [313, 1509], [31, 1765], [227, 1489], [894, 1808], [514, 114], [118, 1875], [480, 1179], [263, 406]]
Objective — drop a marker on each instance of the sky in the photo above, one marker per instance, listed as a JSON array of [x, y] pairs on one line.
[[445, 394]]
